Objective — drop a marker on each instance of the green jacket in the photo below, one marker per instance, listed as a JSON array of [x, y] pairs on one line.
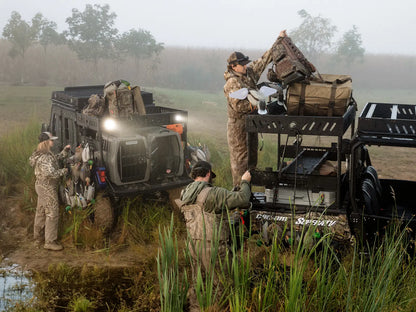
[[218, 199]]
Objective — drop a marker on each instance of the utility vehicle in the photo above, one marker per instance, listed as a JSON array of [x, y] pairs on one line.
[[334, 186], [116, 157]]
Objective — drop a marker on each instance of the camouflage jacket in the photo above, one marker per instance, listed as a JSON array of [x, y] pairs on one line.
[[46, 167], [235, 81], [218, 199]]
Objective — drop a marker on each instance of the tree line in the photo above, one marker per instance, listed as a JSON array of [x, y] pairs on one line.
[[93, 51]]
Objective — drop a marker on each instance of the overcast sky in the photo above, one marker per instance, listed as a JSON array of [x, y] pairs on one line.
[[385, 26]]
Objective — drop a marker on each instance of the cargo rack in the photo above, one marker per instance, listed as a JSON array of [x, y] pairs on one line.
[[306, 158], [77, 97], [388, 124]]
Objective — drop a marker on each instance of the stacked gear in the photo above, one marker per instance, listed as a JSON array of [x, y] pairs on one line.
[[289, 63], [123, 100]]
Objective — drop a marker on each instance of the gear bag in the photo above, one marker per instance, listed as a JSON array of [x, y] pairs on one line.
[[96, 106], [289, 63], [201, 224], [122, 100], [329, 95]]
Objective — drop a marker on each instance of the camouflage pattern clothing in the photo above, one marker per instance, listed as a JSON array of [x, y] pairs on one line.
[[237, 109], [47, 174], [214, 210]]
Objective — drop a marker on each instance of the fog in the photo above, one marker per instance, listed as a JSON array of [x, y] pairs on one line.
[[385, 26]]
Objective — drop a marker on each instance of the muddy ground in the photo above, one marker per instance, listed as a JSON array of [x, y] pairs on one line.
[[17, 246]]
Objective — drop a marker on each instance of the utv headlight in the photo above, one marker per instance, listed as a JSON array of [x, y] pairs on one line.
[[179, 118], [110, 124]]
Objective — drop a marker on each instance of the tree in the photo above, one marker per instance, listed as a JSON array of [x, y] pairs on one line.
[[91, 34], [20, 34], [314, 35], [140, 44], [47, 33], [350, 46]]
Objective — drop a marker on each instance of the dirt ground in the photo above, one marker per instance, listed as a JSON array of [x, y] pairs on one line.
[[17, 247]]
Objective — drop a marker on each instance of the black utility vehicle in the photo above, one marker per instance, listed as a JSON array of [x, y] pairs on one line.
[[115, 157], [335, 186]]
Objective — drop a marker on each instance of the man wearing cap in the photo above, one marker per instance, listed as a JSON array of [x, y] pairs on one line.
[[205, 210], [47, 174], [205, 207], [238, 75]]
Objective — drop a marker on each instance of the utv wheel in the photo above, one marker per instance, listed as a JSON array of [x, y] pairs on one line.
[[103, 213]]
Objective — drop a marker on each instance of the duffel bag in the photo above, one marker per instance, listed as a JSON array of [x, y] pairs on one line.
[[326, 95]]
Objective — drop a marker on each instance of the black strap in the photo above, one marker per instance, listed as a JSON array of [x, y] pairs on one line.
[[301, 107], [332, 99]]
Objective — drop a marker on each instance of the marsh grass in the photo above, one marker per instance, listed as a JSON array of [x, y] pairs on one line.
[[173, 280], [15, 172], [310, 275]]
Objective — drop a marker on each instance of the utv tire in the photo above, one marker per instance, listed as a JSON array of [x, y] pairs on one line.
[[103, 213]]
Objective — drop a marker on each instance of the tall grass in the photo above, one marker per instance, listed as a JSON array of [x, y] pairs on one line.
[[16, 148], [313, 277], [173, 282]]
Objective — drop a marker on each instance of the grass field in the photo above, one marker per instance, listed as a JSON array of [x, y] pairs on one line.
[[207, 113], [305, 281]]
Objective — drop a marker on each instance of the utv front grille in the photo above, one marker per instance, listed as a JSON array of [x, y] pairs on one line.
[[165, 157], [132, 161]]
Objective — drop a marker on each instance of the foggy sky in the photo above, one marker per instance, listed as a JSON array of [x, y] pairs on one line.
[[385, 26]]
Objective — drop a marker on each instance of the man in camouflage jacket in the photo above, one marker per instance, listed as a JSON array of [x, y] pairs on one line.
[[47, 174], [206, 215], [237, 76]]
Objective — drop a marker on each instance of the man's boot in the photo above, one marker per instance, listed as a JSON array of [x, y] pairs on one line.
[[53, 246]]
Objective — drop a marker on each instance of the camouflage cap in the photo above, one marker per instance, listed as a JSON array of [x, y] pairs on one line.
[[44, 136], [238, 57]]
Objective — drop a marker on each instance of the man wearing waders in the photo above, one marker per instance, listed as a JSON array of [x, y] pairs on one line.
[[237, 76], [47, 174], [205, 210]]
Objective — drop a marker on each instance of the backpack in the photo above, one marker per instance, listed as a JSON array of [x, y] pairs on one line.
[[122, 100], [199, 223], [96, 106], [289, 63]]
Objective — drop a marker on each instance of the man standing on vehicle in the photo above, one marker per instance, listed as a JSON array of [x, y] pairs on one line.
[[237, 76]]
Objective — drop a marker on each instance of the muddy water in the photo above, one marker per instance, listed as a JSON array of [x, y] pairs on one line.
[[59, 288], [15, 286]]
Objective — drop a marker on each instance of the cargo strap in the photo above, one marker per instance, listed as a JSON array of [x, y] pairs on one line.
[[200, 199], [301, 106], [202, 196], [332, 99]]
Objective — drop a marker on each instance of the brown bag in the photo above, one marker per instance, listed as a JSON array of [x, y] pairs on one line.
[[289, 63], [328, 95]]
